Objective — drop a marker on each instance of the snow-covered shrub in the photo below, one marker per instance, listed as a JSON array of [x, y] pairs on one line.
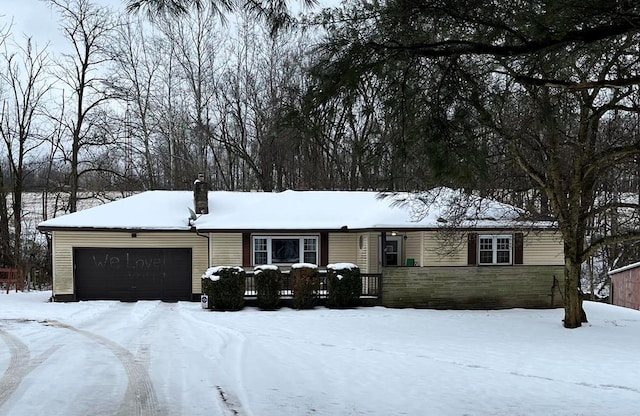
[[268, 281], [224, 286], [305, 283], [344, 285]]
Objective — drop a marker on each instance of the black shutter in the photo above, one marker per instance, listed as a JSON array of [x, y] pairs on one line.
[[518, 248], [246, 249], [472, 249], [324, 248]]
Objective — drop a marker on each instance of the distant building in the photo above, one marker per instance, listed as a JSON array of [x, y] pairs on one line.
[[625, 286]]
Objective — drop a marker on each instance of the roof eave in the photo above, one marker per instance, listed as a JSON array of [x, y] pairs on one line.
[[45, 229]]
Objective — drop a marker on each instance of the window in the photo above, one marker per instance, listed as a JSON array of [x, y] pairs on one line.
[[285, 250], [260, 254], [495, 249], [310, 250]]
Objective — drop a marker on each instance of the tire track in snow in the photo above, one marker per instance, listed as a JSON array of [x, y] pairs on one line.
[[20, 364], [231, 403], [140, 398], [234, 342]]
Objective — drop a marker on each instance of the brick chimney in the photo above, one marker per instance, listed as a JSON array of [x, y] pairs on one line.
[[201, 195]]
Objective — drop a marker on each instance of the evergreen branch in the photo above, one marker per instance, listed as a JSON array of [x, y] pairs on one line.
[[557, 83], [454, 47]]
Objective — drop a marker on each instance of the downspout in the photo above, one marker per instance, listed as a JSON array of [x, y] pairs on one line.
[[422, 235], [199, 234]]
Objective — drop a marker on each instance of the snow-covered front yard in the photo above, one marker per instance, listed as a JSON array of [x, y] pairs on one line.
[[154, 358]]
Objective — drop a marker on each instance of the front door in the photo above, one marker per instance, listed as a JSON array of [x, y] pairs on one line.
[[393, 251]]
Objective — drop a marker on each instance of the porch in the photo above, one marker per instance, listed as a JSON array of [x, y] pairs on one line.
[[446, 287], [371, 288]]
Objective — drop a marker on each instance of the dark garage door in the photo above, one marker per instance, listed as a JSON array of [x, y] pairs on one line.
[[131, 274]]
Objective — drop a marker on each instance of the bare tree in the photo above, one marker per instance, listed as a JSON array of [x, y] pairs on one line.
[[138, 60], [87, 27], [197, 42], [28, 85], [4, 209], [260, 88]]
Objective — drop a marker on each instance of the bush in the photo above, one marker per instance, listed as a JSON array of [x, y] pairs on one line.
[[344, 285], [225, 287], [268, 281], [305, 283]]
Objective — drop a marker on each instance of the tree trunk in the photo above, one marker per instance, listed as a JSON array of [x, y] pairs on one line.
[[5, 235], [574, 314]]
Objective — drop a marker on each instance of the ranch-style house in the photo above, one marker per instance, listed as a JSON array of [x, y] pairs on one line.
[[157, 244]]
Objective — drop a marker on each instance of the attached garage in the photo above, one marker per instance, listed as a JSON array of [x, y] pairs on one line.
[[131, 274], [110, 265]]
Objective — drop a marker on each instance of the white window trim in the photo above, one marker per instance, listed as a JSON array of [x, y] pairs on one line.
[[494, 249], [269, 239]]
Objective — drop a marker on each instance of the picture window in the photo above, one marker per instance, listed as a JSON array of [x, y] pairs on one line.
[[285, 249]]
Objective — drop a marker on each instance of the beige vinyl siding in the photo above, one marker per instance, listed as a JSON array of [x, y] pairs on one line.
[[412, 247], [374, 252], [343, 248], [226, 249], [543, 248], [441, 249], [363, 252], [65, 241], [62, 267], [540, 248]]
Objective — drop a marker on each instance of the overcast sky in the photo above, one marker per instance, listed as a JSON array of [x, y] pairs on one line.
[[36, 19]]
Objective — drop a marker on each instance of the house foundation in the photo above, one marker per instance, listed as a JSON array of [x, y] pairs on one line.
[[472, 287]]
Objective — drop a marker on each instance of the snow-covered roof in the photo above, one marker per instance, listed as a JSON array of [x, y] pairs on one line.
[[288, 210], [624, 269], [151, 210]]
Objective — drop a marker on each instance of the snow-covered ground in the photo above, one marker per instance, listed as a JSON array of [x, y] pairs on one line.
[[154, 358]]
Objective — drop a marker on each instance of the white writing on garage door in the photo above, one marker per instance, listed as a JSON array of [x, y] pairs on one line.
[[129, 261]]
